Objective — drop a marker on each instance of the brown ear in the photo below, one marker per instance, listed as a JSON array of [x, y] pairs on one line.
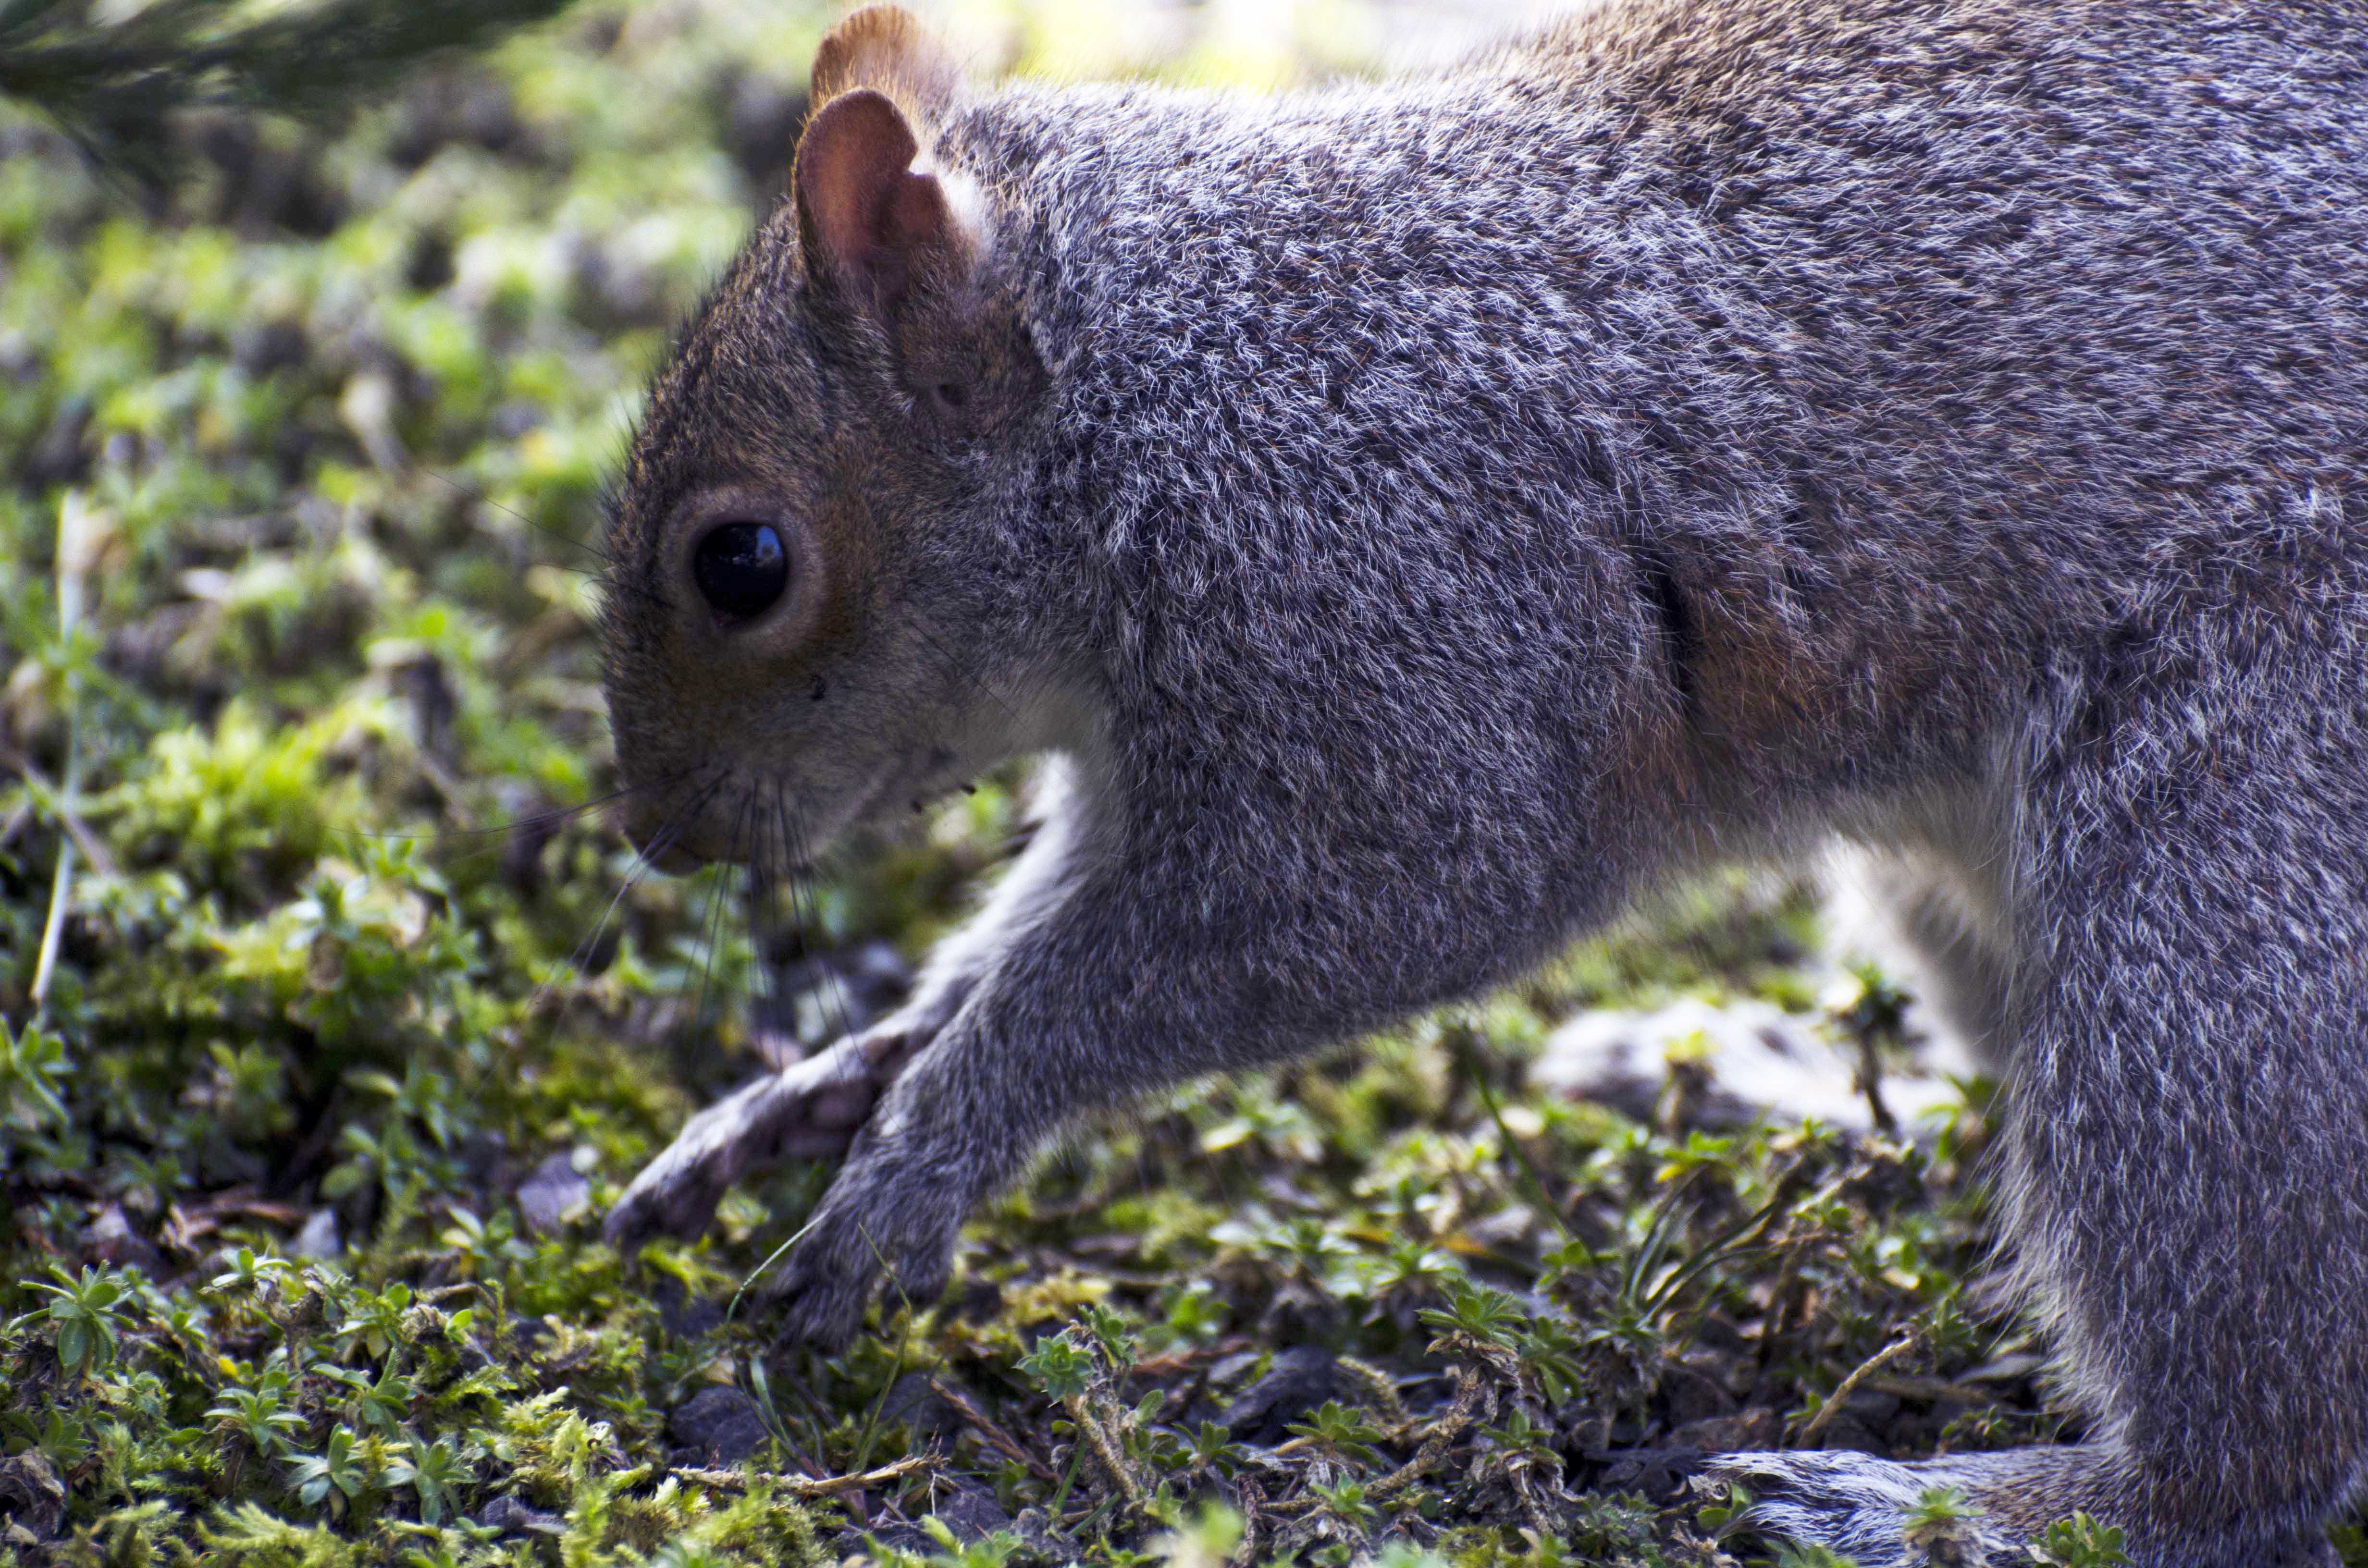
[[885, 48], [869, 224]]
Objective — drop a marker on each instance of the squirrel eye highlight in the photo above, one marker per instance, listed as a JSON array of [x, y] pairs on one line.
[[741, 568]]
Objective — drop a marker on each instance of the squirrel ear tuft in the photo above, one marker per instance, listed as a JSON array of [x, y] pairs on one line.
[[885, 48], [866, 223]]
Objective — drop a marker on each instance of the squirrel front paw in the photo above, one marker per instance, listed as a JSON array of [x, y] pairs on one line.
[[810, 1110], [892, 1215]]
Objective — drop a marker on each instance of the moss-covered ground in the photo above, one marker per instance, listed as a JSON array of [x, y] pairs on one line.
[[329, 1024]]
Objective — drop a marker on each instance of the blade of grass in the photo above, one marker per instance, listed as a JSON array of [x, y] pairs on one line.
[[78, 529]]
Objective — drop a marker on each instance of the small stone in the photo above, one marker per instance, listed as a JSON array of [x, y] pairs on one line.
[[555, 1191], [260, 347], [1750, 1429], [972, 1513], [1655, 1472], [855, 1547], [1690, 1394], [685, 1313], [32, 1496], [1874, 1407], [516, 417], [1037, 1533], [1227, 1368], [111, 1240], [916, 1402], [1754, 1060], [1299, 1380], [512, 1516], [320, 1238], [879, 974], [723, 1426]]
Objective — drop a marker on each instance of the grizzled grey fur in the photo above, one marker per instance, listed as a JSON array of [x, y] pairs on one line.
[[1421, 515]]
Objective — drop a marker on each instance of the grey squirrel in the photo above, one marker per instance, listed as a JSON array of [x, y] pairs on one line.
[[1419, 516]]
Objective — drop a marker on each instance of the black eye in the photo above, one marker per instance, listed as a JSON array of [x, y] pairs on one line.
[[741, 568]]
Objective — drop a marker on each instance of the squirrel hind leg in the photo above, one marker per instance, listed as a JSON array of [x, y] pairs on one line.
[[1859, 1506]]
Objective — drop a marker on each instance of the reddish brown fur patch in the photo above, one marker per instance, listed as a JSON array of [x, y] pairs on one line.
[[885, 48]]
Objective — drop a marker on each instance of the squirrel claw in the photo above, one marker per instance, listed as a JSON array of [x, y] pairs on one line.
[[822, 1289], [892, 1215], [824, 1316]]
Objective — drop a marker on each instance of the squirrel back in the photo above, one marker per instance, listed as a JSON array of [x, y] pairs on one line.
[[1822, 316]]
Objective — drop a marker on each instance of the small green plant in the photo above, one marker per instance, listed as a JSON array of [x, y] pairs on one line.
[[1343, 1434], [375, 1320], [86, 1310], [33, 1066], [247, 1274], [1351, 1502], [1728, 1504], [2081, 1543], [1212, 1449], [990, 1550], [1059, 1366], [262, 1415], [1478, 1314], [1114, 1335], [435, 1472], [331, 1479], [1942, 1524]]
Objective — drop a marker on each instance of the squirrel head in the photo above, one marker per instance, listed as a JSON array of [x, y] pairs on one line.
[[794, 632]]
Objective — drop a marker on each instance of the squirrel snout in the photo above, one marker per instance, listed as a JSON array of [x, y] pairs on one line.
[[656, 828]]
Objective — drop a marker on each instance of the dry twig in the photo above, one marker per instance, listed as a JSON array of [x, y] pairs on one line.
[[994, 1435], [805, 1486], [1905, 1341]]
